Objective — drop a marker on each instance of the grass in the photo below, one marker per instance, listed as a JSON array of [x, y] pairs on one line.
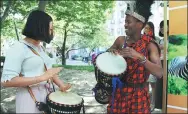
[[82, 68], [177, 86]]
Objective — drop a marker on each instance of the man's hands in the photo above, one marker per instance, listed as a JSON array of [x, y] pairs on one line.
[[128, 52], [114, 51]]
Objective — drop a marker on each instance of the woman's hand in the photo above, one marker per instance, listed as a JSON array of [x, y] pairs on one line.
[[65, 87], [50, 73]]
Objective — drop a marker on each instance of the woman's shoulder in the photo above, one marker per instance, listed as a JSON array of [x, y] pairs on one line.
[[17, 47]]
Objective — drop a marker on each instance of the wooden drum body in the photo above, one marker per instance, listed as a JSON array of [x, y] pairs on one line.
[[64, 103], [107, 66]]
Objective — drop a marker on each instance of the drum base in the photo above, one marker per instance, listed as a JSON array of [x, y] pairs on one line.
[[101, 94], [65, 109], [62, 111]]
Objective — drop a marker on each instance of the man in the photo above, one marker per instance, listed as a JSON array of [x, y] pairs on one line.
[[159, 84], [142, 55]]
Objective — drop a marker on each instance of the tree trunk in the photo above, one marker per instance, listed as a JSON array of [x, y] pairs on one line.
[[63, 48], [5, 14], [64, 43], [41, 6], [16, 30]]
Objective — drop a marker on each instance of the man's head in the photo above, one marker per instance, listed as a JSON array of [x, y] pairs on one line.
[[39, 26], [161, 29], [132, 25], [137, 15]]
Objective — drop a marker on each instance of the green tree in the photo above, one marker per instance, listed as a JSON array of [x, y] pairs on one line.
[[13, 11], [78, 18]]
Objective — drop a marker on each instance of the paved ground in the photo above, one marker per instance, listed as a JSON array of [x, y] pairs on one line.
[[82, 83]]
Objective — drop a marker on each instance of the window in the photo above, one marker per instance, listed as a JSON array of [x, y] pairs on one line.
[[122, 14], [118, 31], [122, 31], [121, 3], [112, 32], [112, 21]]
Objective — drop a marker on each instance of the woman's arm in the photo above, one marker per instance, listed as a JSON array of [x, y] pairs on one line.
[[60, 84], [20, 81], [57, 81]]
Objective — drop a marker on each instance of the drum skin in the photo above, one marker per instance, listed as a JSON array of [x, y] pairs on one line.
[[103, 77]]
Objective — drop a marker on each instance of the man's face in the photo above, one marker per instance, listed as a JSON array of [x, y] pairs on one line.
[[162, 30], [131, 25]]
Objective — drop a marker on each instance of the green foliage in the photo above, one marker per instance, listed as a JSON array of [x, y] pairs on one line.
[[83, 18], [18, 10], [78, 22], [184, 37], [178, 39], [81, 68], [177, 86], [82, 21], [178, 50], [175, 50], [99, 39]]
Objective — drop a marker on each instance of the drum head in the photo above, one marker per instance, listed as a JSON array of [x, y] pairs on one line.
[[111, 64], [66, 98]]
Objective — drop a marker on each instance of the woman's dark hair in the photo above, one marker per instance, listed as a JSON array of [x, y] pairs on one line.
[[161, 26], [151, 25], [37, 26]]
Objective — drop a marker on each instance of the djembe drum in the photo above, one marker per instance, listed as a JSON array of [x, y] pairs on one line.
[[107, 66], [64, 103]]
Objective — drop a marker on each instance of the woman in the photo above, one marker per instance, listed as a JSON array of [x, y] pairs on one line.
[[24, 68], [150, 30]]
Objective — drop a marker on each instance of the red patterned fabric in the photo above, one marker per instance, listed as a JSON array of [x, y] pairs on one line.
[[128, 99], [150, 33]]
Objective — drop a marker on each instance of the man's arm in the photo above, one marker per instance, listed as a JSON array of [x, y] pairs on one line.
[[153, 65], [116, 45], [161, 46]]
